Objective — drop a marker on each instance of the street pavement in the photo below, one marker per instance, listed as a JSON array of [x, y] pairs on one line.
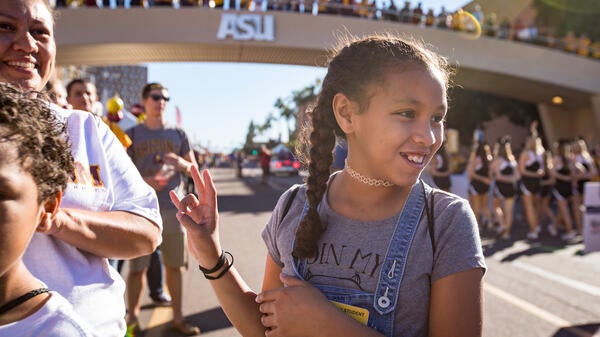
[[539, 289]]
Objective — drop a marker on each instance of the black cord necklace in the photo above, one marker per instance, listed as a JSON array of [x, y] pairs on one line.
[[22, 299]]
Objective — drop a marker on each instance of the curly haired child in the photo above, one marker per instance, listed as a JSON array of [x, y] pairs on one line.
[[35, 167]]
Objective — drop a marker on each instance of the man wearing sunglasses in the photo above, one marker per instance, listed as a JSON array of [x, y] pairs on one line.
[[163, 155]]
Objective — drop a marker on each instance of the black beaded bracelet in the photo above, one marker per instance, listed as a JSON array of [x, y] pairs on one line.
[[225, 270], [218, 266]]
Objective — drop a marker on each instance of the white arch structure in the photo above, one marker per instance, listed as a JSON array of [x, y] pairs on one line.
[[94, 36]]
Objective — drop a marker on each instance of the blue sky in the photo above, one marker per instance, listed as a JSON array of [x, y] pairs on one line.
[[218, 100]]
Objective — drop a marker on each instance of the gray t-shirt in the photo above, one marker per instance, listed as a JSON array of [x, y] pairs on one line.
[[149, 146], [351, 252]]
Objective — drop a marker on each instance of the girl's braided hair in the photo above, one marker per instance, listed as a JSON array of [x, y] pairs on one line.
[[30, 128], [356, 65]]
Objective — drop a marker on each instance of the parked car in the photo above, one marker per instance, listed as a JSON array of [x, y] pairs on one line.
[[285, 166], [283, 161]]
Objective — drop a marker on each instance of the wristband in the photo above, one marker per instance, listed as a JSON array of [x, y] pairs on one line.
[[220, 263], [225, 270]]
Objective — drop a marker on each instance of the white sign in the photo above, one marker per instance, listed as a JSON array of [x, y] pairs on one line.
[[247, 27]]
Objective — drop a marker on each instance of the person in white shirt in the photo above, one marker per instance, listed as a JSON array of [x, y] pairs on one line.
[[107, 210], [35, 167]]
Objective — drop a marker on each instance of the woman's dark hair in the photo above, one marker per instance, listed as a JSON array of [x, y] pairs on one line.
[[29, 126], [149, 87], [483, 151], [74, 82], [354, 68]]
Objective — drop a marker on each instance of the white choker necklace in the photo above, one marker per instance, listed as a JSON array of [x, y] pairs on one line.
[[366, 180]]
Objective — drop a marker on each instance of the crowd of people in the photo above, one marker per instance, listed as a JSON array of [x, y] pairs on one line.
[[163, 156], [75, 199], [460, 20], [548, 181]]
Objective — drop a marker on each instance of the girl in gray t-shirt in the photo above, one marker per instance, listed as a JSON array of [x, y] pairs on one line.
[[370, 250]]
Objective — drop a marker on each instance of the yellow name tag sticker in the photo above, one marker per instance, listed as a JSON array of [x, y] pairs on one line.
[[359, 314]]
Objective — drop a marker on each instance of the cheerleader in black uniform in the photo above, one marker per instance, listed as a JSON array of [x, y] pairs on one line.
[[478, 172], [585, 170], [439, 169], [505, 174], [546, 194], [531, 168], [563, 187]]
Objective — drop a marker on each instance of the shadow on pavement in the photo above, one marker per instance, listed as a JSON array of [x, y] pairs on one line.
[[534, 249], [258, 202], [263, 197], [492, 244], [211, 320], [579, 330]]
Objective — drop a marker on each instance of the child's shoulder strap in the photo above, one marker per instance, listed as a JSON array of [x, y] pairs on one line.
[[429, 202], [289, 201]]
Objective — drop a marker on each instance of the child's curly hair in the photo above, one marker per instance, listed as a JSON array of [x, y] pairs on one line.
[[28, 125]]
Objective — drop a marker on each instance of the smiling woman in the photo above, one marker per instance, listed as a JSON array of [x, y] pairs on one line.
[[27, 51], [107, 210]]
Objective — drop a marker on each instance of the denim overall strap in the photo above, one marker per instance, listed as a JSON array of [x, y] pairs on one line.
[[392, 270]]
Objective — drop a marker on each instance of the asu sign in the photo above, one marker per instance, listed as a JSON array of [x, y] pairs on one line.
[[246, 27]]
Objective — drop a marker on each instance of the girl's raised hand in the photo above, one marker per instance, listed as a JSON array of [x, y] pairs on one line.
[[200, 218]]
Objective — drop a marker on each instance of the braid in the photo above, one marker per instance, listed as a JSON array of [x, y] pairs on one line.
[[321, 140]]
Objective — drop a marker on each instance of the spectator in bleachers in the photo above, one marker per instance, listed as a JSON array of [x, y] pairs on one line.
[[390, 13], [504, 29], [595, 49], [188, 3], [417, 14], [569, 42], [429, 18], [442, 19], [478, 14], [161, 3], [458, 20], [490, 27], [405, 12], [583, 45]]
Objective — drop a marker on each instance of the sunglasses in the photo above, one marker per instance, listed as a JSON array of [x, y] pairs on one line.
[[157, 97]]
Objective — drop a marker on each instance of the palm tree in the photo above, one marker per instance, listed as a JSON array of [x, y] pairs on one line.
[[290, 107]]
